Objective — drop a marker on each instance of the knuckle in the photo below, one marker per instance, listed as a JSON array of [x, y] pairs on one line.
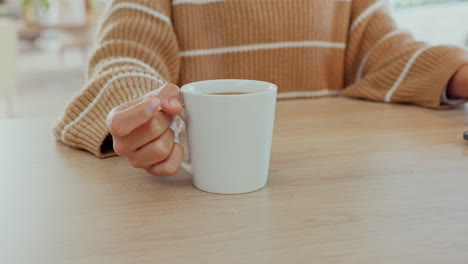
[[120, 148], [170, 169], [115, 125], [150, 171], [171, 87], [169, 90], [134, 162], [162, 149]]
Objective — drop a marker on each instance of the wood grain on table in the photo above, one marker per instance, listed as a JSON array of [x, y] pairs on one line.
[[350, 182]]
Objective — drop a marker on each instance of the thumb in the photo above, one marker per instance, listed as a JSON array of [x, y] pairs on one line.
[[171, 99]]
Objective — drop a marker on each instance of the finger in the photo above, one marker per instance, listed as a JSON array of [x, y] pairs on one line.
[[122, 120], [145, 133], [171, 99], [154, 152], [171, 165], [130, 104]]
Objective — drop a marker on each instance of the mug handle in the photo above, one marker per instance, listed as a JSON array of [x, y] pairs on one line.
[[187, 166]]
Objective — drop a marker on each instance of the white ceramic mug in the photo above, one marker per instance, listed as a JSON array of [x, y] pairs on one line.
[[229, 136]]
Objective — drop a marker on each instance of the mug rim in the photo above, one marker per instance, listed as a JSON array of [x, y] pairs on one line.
[[271, 87]]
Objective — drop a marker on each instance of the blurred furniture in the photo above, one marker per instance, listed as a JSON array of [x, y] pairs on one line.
[[58, 12], [70, 20], [8, 62], [350, 182], [68, 36]]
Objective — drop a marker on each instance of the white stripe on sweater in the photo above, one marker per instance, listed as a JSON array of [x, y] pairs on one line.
[[99, 95], [406, 69], [138, 7], [371, 9], [307, 94], [199, 2], [373, 48], [264, 46], [116, 60]]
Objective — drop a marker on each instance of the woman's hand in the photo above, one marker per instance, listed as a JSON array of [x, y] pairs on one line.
[[142, 134], [458, 86]]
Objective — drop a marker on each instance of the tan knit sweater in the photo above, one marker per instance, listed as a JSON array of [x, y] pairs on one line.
[[309, 48]]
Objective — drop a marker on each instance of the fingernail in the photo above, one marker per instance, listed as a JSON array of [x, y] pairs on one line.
[[154, 104], [175, 103]]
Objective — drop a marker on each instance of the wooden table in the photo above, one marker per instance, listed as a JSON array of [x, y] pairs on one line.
[[350, 182]]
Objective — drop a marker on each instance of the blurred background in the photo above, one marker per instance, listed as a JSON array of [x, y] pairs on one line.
[[53, 39]]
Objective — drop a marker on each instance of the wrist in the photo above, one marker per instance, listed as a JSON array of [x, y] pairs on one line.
[[458, 85]]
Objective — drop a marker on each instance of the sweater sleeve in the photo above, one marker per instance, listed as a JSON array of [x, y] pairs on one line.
[[136, 53], [387, 64]]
